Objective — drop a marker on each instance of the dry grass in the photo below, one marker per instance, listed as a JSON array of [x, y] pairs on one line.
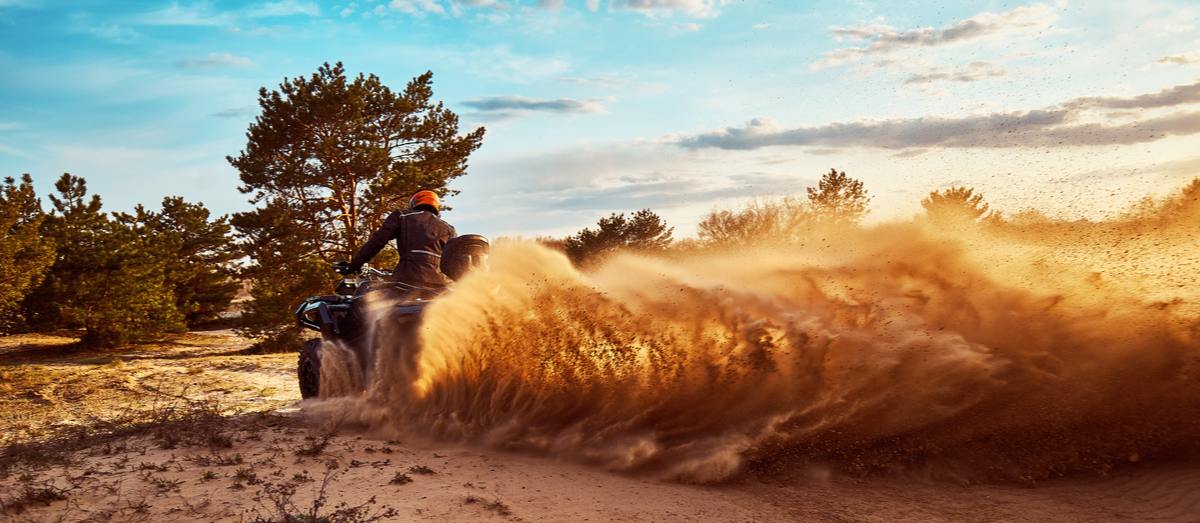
[[169, 424], [495, 505], [32, 495], [283, 508], [315, 446], [246, 475]]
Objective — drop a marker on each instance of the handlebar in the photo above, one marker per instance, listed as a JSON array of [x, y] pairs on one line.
[[373, 272], [367, 271]]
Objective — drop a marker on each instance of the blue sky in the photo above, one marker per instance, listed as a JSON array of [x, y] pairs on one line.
[[612, 105]]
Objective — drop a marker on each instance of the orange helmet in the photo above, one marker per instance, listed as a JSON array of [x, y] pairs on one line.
[[429, 198]]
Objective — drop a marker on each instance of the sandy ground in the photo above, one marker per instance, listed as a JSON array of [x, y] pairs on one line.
[[45, 384], [264, 466]]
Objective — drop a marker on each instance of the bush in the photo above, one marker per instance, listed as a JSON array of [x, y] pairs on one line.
[[25, 254], [643, 230], [783, 221], [109, 277]]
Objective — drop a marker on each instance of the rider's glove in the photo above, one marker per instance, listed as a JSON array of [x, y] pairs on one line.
[[343, 268]]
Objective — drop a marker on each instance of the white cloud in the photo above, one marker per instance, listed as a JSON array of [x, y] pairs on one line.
[[235, 112], [884, 39], [694, 8], [1169, 97], [214, 60], [185, 15], [1060, 126], [86, 24], [689, 27], [760, 27], [417, 7], [496, 63], [283, 8], [203, 14], [971, 72], [493, 10], [1180, 59], [501, 107], [500, 63], [603, 80], [13, 151], [593, 5]]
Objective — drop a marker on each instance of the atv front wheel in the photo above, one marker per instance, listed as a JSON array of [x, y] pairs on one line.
[[308, 369]]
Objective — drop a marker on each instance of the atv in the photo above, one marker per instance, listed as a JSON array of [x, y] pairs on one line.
[[342, 318]]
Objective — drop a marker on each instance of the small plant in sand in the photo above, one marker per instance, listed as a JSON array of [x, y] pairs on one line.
[[31, 495], [139, 507], [215, 459], [219, 440], [226, 461], [497, 506], [246, 475], [315, 445], [160, 483], [153, 467], [401, 479], [420, 469]]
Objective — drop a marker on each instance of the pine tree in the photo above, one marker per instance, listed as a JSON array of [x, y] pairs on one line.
[[286, 269], [25, 255], [643, 230], [838, 198], [954, 205], [108, 277], [326, 160], [199, 267]]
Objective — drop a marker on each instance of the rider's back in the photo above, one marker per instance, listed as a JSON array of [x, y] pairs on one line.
[[421, 236]]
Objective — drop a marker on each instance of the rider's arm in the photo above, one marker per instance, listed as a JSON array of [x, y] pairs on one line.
[[387, 232]]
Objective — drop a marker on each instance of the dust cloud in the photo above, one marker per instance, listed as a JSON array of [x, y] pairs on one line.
[[1021, 351]]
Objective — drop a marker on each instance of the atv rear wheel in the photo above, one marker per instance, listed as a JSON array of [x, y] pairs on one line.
[[308, 369]]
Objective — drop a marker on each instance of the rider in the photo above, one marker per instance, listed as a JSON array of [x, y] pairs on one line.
[[420, 235]]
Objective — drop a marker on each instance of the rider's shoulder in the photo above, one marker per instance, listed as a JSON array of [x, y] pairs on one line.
[[435, 216]]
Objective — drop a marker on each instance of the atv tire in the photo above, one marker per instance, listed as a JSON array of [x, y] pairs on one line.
[[308, 369]]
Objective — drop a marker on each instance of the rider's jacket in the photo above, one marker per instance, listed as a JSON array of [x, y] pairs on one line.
[[420, 236]]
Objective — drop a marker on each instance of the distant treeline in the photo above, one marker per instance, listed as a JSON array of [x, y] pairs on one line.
[[839, 202], [118, 277]]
